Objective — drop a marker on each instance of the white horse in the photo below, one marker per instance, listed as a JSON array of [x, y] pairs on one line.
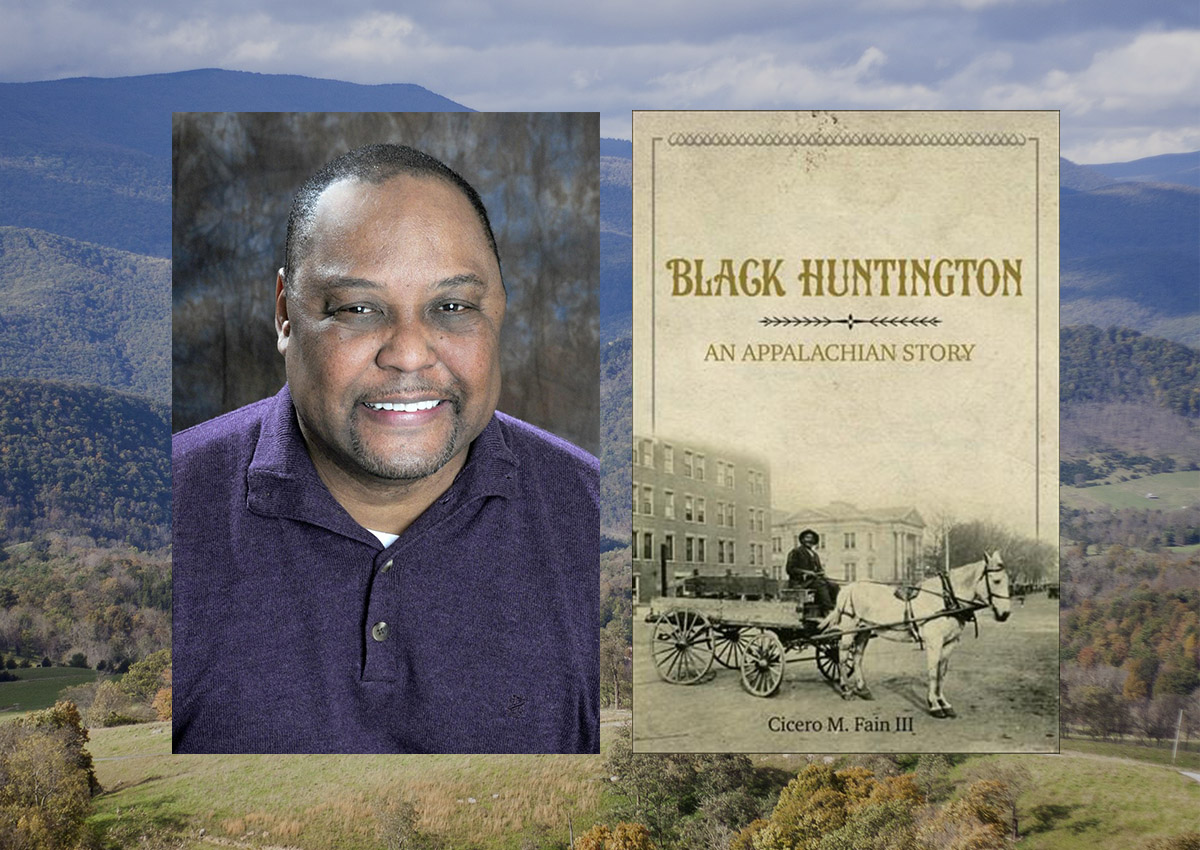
[[863, 604]]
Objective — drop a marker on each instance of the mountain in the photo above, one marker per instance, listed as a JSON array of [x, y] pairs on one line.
[[616, 436], [1183, 168], [1129, 257], [90, 158], [80, 312], [1129, 402], [83, 460], [616, 238]]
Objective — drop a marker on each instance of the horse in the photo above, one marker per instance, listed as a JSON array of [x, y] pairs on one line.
[[863, 604]]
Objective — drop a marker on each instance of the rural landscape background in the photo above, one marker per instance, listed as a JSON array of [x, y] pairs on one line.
[[85, 240]]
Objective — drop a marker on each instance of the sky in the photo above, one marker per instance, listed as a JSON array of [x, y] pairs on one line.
[[1126, 75]]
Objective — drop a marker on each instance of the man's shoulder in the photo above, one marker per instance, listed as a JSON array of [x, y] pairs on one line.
[[531, 444], [235, 432]]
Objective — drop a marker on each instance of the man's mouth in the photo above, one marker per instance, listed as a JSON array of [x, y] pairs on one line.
[[404, 407]]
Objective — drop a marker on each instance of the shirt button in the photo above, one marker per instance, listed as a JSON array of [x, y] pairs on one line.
[[386, 566], [379, 631]]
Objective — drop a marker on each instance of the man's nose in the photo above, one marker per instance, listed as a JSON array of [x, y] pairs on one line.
[[408, 345]]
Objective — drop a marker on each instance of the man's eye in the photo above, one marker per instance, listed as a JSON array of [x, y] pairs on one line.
[[453, 307], [356, 310]]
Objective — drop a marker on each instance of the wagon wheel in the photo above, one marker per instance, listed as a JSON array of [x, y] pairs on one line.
[[729, 644], [827, 660], [762, 664], [682, 646]]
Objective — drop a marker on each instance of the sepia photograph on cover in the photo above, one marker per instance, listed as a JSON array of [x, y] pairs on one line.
[[845, 457]]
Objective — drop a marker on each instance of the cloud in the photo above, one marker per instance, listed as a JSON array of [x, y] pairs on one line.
[[1128, 83]]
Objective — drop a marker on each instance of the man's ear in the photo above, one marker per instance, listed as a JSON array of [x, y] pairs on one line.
[[283, 328]]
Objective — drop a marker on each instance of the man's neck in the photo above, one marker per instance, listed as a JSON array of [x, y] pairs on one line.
[[382, 504]]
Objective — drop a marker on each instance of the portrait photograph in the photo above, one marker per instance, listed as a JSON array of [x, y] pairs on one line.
[[386, 416]]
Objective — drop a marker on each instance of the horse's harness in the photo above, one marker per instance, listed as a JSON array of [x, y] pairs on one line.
[[954, 606]]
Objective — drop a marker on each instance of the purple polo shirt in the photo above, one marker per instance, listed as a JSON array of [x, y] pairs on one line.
[[296, 631]]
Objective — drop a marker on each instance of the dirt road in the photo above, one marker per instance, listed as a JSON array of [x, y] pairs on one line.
[[1004, 686]]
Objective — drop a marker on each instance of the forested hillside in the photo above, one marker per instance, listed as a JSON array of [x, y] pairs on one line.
[[60, 596], [616, 411], [83, 461], [79, 312], [1123, 365]]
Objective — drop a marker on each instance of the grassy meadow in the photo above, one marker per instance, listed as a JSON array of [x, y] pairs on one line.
[[1092, 796], [332, 801], [1173, 489], [38, 688], [1080, 800]]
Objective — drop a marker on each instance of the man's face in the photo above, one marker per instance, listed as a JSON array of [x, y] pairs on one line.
[[390, 329]]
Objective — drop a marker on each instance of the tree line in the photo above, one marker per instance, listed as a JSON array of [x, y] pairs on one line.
[[83, 461], [1119, 364]]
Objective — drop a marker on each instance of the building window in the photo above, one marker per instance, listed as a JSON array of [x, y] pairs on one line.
[[851, 571], [647, 453], [776, 545], [730, 520], [732, 555], [699, 509], [720, 513], [687, 509], [689, 549], [635, 546], [647, 546], [635, 498], [753, 562], [870, 568], [669, 545], [669, 504], [648, 501], [848, 540], [669, 459], [687, 464], [871, 540], [635, 455], [701, 545], [720, 551], [699, 467]]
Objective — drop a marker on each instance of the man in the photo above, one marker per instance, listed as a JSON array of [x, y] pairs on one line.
[[804, 570], [375, 559]]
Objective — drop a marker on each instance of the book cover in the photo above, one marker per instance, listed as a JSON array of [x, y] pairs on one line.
[[845, 459]]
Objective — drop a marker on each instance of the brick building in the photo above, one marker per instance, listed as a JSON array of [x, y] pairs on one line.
[[707, 509]]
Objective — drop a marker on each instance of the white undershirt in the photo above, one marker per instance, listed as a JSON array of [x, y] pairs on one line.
[[385, 538]]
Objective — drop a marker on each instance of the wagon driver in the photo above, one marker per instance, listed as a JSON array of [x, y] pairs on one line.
[[804, 570], [375, 559]]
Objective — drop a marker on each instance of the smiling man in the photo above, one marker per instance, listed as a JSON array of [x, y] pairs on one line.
[[375, 559]]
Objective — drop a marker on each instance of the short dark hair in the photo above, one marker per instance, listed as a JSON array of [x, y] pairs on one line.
[[372, 164]]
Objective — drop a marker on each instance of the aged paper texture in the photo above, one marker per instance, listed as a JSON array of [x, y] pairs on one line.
[[845, 330]]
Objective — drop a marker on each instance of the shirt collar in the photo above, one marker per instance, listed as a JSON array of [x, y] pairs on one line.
[[282, 481]]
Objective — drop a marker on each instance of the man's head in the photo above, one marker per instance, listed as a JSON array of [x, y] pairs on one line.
[[388, 314], [809, 537]]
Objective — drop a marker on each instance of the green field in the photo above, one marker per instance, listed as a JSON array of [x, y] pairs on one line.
[[1186, 758], [38, 688], [1084, 801], [1092, 796], [1173, 489], [332, 801]]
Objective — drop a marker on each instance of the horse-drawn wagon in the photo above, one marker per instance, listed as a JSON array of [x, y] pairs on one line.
[[752, 636], [758, 637]]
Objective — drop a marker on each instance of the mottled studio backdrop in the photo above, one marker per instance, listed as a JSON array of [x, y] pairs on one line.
[[233, 180]]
